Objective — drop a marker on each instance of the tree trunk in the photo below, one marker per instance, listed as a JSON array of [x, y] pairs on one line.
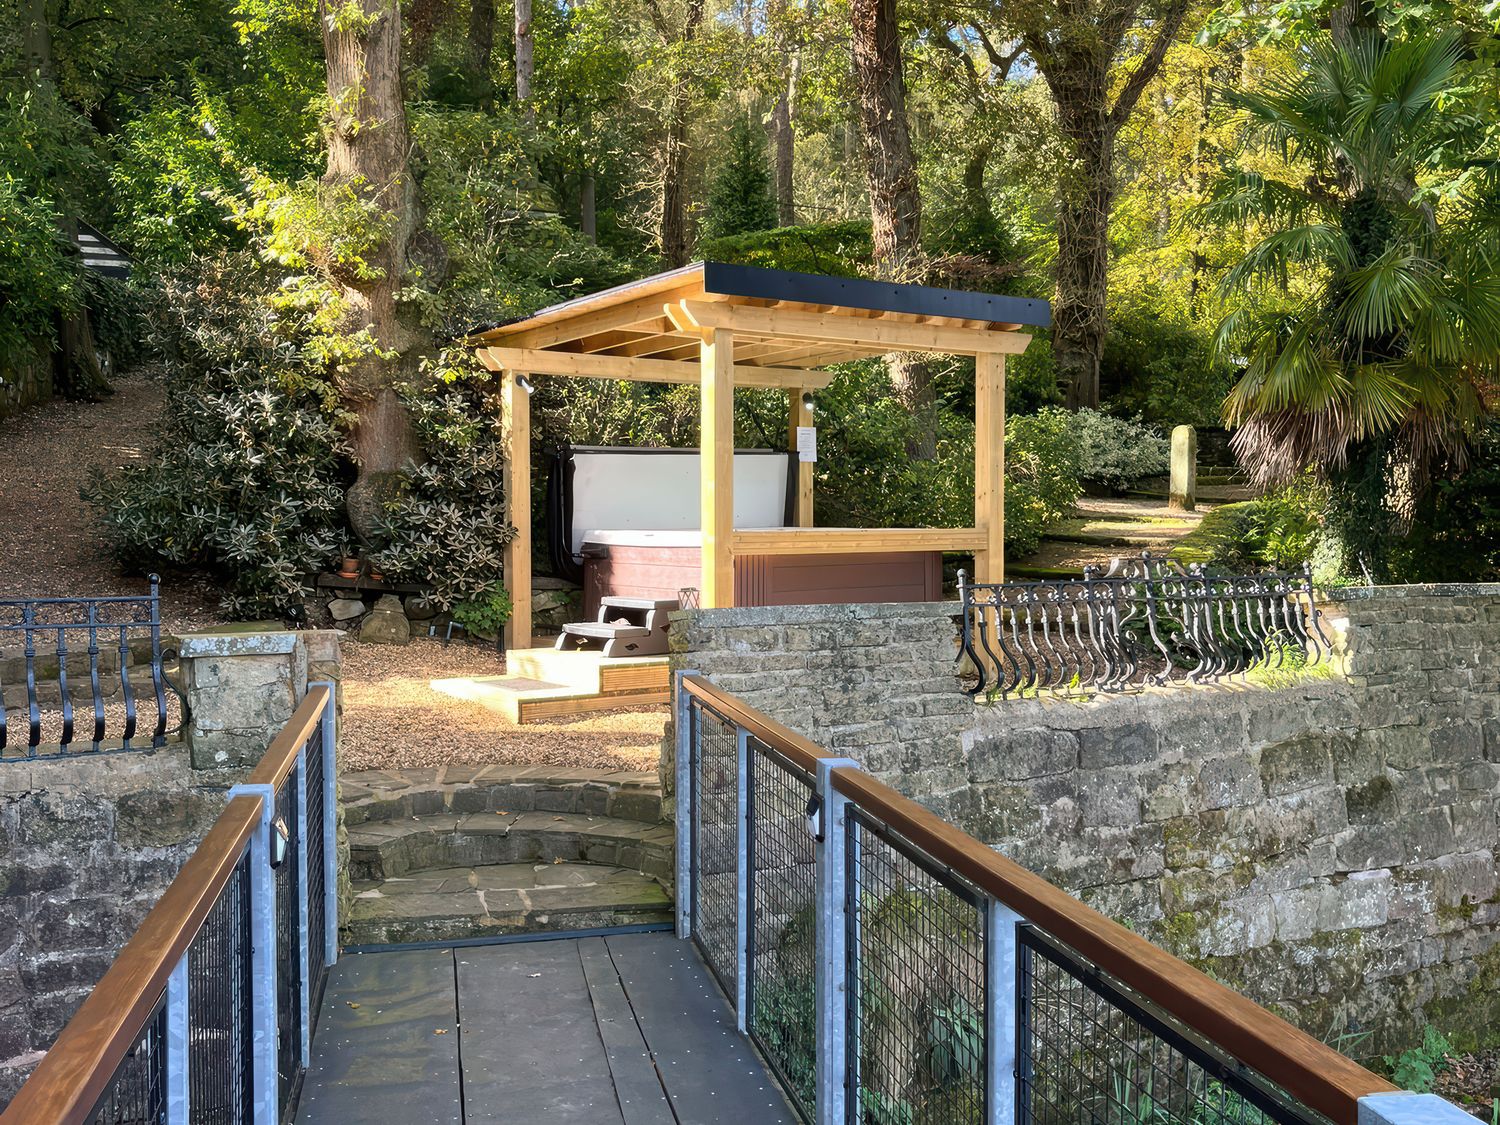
[[782, 150], [525, 56], [1079, 320], [482, 46], [675, 243], [588, 216], [367, 154], [895, 196]]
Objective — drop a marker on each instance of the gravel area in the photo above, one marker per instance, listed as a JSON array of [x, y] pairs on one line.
[[392, 719], [50, 545]]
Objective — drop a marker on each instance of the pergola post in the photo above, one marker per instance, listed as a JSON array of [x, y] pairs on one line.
[[989, 465], [516, 404], [799, 413], [716, 458]]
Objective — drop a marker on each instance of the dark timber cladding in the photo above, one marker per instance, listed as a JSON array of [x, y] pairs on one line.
[[620, 1030]]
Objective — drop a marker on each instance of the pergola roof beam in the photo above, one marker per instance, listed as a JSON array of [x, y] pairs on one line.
[[585, 365], [783, 324]]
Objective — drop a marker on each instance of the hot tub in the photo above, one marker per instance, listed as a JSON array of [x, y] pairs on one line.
[[657, 564]]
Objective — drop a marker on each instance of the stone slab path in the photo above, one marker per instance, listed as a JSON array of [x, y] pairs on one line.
[[617, 1030]]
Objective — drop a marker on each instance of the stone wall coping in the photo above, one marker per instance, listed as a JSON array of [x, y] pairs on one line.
[[752, 616], [1403, 1108], [1414, 590], [238, 644]]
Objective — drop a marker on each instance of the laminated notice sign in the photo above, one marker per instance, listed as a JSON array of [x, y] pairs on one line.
[[807, 443]]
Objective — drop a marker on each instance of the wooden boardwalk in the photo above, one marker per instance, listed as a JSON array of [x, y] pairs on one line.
[[627, 1030]]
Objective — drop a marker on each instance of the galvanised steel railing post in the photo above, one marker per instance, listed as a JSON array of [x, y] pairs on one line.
[[742, 879], [1000, 1012], [683, 795], [831, 971], [304, 933], [178, 1095], [265, 1097], [328, 752]]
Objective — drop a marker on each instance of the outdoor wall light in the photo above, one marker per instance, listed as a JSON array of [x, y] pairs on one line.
[[525, 384], [807, 399]]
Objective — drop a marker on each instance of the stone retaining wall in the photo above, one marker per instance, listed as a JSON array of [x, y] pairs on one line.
[[1329, 847], [88, 844]]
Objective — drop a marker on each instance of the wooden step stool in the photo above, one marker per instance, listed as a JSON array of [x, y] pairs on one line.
[[626, 627]]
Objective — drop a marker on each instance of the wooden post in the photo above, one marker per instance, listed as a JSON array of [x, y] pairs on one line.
[[516, 404], [799, 413], [989, 465], [716, 448]]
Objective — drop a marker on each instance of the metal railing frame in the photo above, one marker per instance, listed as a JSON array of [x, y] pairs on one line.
[[33, 618], [1242, 1042], [82, 1064], [1142, 621]]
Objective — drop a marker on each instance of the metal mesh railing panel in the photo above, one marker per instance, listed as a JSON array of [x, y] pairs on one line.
[[288, 941], [219, 1008], [317, 925], [916, 986], [137, 1093], [1092, 1053], [783, 938], [715, 813]]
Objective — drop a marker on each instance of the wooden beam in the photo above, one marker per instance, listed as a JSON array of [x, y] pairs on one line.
[[786, 324], [716, 462], [855, 540], [587, 365], [516, 555], [799, 413], [989, 466], [637, 311]]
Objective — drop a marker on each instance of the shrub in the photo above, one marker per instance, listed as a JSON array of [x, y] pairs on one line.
[[486, 614], [1114, 452], [1455, 534], [445, 525], [739, 198], [246, 480], [1042, 481], [1163, 369], [1280, 531]]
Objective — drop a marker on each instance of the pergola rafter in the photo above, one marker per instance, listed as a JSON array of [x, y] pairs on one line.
[[721, 327]]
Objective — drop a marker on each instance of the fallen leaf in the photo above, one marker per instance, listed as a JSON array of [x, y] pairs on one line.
[[534, 975], [440, 1031], [351, 1003]]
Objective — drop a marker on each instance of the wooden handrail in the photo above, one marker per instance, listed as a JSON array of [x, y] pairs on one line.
[[281, 755], [69, 1081], [803, 752], [1307, 1069]]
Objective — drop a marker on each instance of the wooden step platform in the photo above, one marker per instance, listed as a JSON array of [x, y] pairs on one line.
[[543, 683]]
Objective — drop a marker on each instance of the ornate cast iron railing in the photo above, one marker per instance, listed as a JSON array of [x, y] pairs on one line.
[[206, 1017], [892, 969], [1143, 621], [100, 656]]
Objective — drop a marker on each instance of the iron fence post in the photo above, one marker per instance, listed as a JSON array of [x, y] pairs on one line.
[[178, 1104], [683, 796], [1000, 1012], [328, 751], [832, 967], [304, 933], [743, 875], [265, 1081]]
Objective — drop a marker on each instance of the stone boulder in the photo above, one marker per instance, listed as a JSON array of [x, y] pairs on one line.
[[387, 623], [345, 609]]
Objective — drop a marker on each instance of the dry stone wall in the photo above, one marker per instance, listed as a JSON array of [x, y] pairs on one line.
[[1328, 846]]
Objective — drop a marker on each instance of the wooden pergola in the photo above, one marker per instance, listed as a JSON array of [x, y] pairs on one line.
[[721, 327]]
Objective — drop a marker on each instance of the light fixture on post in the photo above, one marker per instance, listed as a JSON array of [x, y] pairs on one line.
[[526, 384], [807, 401]]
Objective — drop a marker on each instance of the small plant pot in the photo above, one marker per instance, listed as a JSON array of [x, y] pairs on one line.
[[375, 575], [349, 568]]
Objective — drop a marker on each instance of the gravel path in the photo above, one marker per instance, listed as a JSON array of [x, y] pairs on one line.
[[394, 720], [49, 543]]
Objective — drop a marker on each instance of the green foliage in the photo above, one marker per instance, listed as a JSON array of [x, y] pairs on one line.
[[1455, 532], [485, 615], [37, 278], [740, 200], [1416, 1069], [246, 480], [1164, 369], [840, 249], [1280, 531], [445, 525], [1042, 476], [1115, 452]]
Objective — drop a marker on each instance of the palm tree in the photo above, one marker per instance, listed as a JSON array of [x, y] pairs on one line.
[[1367, 315]]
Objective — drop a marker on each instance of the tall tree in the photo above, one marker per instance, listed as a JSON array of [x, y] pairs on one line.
[[783, 111], [525, 55], [677, 30], [368, 147], [895, 193], [481, 45]]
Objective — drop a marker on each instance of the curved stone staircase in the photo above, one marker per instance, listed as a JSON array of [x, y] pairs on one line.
[[461, 852]]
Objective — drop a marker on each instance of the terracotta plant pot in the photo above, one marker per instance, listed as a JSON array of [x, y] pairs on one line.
[[349, 568], [376, 576]]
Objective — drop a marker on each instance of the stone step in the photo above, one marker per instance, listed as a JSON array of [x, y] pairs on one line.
[[450, 904], [397, 795], [387, 849]]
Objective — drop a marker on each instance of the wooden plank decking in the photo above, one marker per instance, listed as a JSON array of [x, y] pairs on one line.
[[626, 1030]]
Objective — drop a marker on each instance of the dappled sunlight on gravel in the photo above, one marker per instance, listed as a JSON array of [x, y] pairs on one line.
[[392, 719]]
